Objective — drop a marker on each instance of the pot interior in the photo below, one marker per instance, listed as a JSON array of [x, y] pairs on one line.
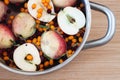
[[70, 45]]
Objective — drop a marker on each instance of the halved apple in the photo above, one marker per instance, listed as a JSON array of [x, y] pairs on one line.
[[46, 17], [22, 52], [53, 45], [70, 20], [23, 25]]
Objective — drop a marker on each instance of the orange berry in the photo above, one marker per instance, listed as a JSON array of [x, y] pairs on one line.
[[39, 15], [61, 61], [34, 40], [41, 66], [29, 57], [46, 64], [48, 1], [6, 58], [70, 37], [6, 2], [5, 53], [74, 40], [49, 7], [40, 10], [28, 41], [51, 62], [38, 38], [12, 17], [80, 39], [22, 9], [25, 5], [34, 6]]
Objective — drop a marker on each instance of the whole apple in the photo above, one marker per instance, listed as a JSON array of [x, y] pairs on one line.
[[6, 37], [3, 10], [17, 1], [64, 3]]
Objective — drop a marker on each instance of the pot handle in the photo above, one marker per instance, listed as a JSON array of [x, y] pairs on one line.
[[110, 30]]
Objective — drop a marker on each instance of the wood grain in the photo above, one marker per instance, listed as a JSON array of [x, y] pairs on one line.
[[100, 63]]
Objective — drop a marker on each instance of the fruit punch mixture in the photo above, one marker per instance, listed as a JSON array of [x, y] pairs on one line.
[[36, 35]]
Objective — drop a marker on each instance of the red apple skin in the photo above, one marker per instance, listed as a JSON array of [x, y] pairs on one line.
[[3, 9], [53, 39], [6, 36], [17, 1], [62, 45], [64, 3]]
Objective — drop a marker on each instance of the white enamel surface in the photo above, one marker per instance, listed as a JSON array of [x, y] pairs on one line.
[[49, 44], [21, 52], [66, 25], [45, 16]]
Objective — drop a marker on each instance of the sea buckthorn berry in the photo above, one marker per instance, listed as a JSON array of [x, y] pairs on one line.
[[28, 41], [6, 58], [40, 29], [69, 51], [38, 38], [39, 15], [29, 57], [70, 37], [74, 40], [46, 64], [80, 39], [12, 17], [26, 10], [41, 66], [38, 43], [46, 4], [48, 1], [9, 21], [43, 1], [52, 27], [34, 40], [66, 39], [51, 22], [6, 2], [61, 61], [25, 5], [37, 26], [4, 53], [49, 7], [40, 10], [38, 21], [51, 62], [22, 9], [34, 6]]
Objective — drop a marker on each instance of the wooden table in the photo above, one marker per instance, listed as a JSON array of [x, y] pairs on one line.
[[101, 63]]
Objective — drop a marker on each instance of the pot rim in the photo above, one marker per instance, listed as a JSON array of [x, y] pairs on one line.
[[87, 30]]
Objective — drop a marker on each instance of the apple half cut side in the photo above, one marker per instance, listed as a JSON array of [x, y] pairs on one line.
[[21, 53], [46, 17], [70, 20], [53, 45]]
